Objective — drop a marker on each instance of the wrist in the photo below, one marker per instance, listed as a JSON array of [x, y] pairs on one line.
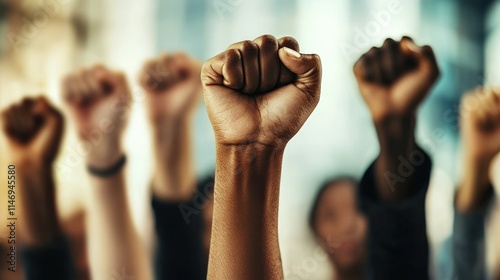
[[248, 176], [39, 224], [171, 119], [104, 154], [396, 134], [170, 129], [173, 177], [475, 184], [383, 119], [475, 158], [33, 167], [247, 153]]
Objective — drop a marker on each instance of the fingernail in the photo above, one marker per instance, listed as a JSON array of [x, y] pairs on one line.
[[292, 53]]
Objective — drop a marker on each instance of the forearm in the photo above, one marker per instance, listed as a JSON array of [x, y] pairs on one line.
[[108, 204], [245, 231], [44, 251], [397, 144], [114, 243], [174, 177], [474, 189], [39, 225]]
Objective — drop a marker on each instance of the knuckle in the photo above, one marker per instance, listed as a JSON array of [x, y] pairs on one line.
[[406, 37], [232, 55], [205, 66], [249, 46], [267, 41], [372, 52], [316, 59], [289, 40], [389, 42]]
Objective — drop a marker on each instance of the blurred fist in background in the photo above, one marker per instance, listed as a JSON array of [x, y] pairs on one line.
[[172, 85], [34, 130], [99, 101], [395, 78]]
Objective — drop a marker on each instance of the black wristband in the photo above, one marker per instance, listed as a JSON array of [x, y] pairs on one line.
[[108, 172]]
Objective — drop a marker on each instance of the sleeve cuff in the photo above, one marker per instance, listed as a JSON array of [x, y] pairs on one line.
[[369, 197]]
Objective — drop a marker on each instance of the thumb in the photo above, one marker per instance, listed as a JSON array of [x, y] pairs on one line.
[[307, 67]]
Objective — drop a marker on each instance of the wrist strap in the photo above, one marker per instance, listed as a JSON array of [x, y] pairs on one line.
[[108, 172]]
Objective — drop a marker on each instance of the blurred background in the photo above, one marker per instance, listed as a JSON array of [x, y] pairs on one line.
[[41, 40]]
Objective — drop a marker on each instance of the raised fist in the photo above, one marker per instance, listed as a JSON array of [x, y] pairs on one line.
[[99, 101], [480, 123], [261, 91], [395, 78], [34, 131], [173, 86]]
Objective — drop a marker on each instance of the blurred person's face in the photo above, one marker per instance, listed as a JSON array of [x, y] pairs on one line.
[[340, 226]]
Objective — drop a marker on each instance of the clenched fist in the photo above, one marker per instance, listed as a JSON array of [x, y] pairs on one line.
[[480, 123], [395, 78], [173, 86], [261, 91], [480, 129], [99, 101], [34, 131]]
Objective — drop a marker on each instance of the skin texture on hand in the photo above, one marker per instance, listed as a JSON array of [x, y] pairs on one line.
[[34, 131], [258, 95], [393, 80], [480, 130], [173, 91], [99, 101], [261, 91]]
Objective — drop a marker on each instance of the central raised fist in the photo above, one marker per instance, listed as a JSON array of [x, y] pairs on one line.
[[261, 91]]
